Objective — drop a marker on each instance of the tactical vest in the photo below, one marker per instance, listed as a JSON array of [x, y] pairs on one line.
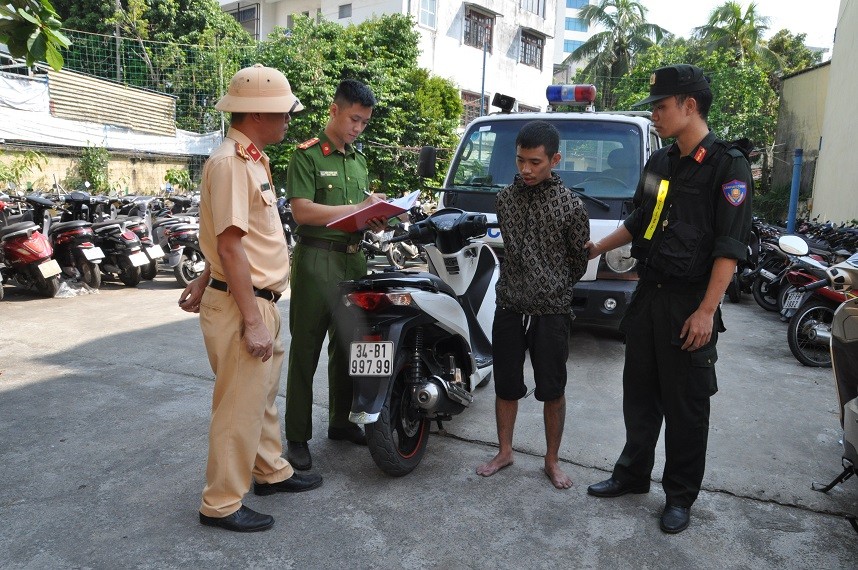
[[678, 235]]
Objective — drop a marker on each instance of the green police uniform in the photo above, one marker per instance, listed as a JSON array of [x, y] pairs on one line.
[[322, 258]]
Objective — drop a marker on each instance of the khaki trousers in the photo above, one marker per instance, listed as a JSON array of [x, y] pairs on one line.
[[244, 438]]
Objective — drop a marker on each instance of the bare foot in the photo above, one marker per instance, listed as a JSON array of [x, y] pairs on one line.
[[497, 463], [559, 479]]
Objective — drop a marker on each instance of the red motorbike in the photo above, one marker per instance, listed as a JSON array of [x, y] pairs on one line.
[[810, 312], [25, 253]]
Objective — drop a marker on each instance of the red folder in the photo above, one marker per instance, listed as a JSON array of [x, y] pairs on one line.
[[357, 221]]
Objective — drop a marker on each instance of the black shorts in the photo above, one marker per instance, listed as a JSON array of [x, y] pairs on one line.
[[547, 339]]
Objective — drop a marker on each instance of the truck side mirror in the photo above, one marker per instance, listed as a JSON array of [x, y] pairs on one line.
[[426, 163]]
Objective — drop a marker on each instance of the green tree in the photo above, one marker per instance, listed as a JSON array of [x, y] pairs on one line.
[[738, 31], [31, 29], [744, 103], [611, 54], [13, 171], [794, 54], [414, 109]]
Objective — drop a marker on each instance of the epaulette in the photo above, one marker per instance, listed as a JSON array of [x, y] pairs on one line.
[[308, 143]]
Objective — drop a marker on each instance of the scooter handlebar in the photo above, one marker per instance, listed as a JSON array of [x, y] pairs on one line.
[[813, 286]]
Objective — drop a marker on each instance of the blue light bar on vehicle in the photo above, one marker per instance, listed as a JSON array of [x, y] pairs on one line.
[[570, 94]]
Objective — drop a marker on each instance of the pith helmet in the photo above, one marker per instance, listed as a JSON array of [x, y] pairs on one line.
[[259, 89]]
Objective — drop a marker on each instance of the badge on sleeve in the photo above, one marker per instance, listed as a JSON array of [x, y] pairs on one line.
[[735, 192]]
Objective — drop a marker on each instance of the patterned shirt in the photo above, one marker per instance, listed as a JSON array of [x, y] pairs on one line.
[[544, 229]]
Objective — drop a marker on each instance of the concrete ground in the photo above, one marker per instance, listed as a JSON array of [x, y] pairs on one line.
[[104, 404]]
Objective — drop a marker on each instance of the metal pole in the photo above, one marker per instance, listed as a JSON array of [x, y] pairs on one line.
[[483, 86], [793, 193], [118, 46]]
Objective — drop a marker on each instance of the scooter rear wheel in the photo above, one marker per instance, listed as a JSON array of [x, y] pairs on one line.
[[397, 441], [149, 271], [734, 293], [47, 287], [90, 273], [765, 294], [803, 327], [128, 273]]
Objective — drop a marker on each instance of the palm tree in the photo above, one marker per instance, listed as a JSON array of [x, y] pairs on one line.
[[731, 28], [610, 54]]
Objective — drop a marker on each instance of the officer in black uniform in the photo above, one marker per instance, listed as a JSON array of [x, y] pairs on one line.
[[691, 221]]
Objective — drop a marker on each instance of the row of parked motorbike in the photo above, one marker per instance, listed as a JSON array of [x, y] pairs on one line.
[[83, 237], [77, 236], [778, 271]]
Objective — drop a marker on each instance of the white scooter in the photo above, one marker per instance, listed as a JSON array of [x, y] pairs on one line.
[[844, 358], [421, 341]]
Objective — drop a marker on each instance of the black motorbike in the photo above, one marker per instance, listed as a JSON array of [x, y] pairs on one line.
[[288, 221]]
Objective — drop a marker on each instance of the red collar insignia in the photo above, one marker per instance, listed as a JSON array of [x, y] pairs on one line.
[[254, 152], [700, 155], [326, 148]]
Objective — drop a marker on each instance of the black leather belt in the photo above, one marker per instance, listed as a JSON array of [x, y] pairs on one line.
[[266, 294], [329, 245]]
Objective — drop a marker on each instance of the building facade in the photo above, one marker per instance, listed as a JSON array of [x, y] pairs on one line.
[[483, 46]]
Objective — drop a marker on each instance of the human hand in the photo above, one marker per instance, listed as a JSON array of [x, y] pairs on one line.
[[697, 330], [258, 341], [593, 250], [189, 300], [377, 224]]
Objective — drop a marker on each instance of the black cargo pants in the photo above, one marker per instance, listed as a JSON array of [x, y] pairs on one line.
[[663, 382]]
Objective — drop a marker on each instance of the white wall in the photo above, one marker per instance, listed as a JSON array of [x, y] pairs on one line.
[[442, 49], [834, 192]]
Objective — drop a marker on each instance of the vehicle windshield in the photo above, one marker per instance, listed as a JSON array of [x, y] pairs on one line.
[[600, 158]]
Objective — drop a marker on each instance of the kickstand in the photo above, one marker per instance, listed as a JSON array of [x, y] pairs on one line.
[[847, 473], [853, 522], [441, 430]]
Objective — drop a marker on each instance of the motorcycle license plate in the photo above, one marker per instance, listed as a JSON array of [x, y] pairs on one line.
[[138, 259], [154, 252], [793, 300], [93, 253], [49, 268], [371, 359]]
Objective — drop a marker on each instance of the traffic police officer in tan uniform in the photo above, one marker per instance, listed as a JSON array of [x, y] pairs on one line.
[[690, 225], [327, 179], [247, 269]]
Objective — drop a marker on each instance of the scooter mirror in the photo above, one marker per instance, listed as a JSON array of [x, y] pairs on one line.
[[793, 245]]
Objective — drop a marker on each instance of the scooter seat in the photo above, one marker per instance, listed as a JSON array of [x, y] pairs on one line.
[[171, 221], [101, 225], [17, 229], [184, 227], [417, 279], [129, 219], [70, 225]]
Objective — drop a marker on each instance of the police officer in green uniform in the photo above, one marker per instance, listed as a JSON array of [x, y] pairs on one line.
[[327, 179], [690, 225]]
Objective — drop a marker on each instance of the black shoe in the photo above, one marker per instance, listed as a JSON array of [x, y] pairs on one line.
[[242, 520], [294, 484], [675, 519], [298, 454], [352, 433], [613, 488]]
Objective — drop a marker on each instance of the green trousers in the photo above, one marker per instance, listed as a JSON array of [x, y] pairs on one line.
[[314, 297]]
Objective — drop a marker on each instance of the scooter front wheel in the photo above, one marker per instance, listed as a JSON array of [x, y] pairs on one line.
[[809, 334], [397, 441]]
